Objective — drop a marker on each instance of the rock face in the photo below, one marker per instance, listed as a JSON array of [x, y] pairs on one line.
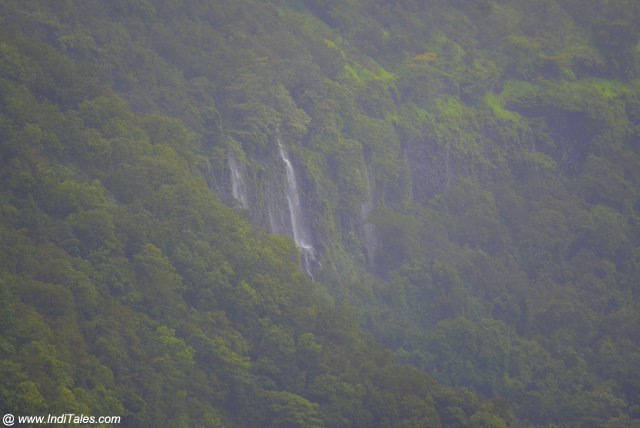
[[269, 189], [331, 206]]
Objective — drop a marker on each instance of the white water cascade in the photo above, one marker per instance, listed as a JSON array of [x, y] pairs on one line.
[[368, 230], [300, 232], [238, 183]]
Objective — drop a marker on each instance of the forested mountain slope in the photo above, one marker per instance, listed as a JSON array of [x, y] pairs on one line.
[[321, 213]]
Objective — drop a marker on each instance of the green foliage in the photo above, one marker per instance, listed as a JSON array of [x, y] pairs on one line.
[[468, 170]]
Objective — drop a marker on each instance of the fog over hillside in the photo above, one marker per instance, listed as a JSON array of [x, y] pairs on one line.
[[321, 213]]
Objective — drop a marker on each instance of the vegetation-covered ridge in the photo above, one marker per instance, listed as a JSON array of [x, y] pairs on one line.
[[469, 176]]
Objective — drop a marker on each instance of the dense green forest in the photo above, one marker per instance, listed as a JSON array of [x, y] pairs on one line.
[[321, 213]]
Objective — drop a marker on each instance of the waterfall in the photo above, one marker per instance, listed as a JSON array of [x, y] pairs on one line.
[[369, 238], [300, 232], [238, 184]]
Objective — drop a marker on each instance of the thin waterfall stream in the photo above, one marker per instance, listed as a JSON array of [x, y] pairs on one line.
[[238, 183], [300, 232]]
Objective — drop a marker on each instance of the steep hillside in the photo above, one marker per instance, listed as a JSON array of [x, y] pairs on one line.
[[321, 213]]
